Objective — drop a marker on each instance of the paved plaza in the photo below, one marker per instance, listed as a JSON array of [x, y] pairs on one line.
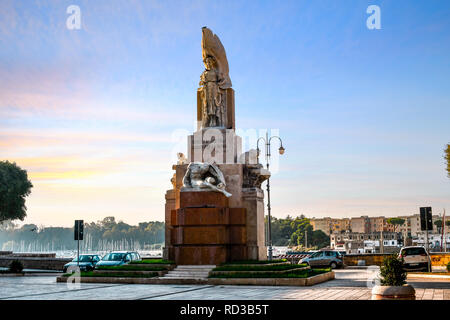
[[350, 284]]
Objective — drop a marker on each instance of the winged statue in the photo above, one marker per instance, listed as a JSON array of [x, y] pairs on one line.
[[214, 80]]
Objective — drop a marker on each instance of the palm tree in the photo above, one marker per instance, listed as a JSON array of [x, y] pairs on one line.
[[395, 222]]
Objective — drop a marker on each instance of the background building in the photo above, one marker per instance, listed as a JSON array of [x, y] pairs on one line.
[[361, 224], [355, 242]]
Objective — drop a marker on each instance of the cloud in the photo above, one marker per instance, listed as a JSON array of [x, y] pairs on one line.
[[17, 138]]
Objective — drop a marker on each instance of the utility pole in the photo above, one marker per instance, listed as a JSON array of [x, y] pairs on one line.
[[444, 237], [426, 234], [442, 230]]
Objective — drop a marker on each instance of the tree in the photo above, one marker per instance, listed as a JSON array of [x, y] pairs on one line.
[[292, 232], [14, 187], [447, 157], [102, 235], [395, 222], [319, 239], [447, 223]]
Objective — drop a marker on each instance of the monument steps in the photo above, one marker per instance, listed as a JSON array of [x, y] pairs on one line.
[[189, 272]]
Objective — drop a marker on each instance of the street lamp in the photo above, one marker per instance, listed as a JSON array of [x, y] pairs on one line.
[[281, 151]]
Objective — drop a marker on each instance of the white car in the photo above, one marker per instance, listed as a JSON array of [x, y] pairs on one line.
[[415, 259]]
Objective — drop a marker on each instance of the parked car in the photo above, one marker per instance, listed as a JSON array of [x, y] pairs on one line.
[[87, 262], [118, 258], [415, 258], [325, 258]]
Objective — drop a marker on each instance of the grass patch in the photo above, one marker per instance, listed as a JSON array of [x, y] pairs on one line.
[[114, 275], [153, 261], [257, 261], [294, 274], [278, 267], [129, 267]]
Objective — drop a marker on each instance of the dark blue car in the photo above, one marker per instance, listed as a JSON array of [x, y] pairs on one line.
[[87, 262]]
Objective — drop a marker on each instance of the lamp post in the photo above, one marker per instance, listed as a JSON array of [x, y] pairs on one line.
[[267, 154]]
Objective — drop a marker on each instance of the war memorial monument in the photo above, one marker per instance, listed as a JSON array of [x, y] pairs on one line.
[[215, 211]]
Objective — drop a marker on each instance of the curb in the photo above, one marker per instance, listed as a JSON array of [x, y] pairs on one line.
[[428, 276], [213, 281]]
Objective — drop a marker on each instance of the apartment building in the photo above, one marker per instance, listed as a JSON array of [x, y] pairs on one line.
[[405, 228], [322, 224], [329, 225], [434, 241], [354, 242], [360, 225], [378, 224]]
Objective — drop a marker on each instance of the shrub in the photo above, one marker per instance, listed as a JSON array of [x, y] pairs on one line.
[[279, 267], [256, 261], [153, 261], [114, 274], [448, 267], [15, 266], [129, 267], [392, 272]]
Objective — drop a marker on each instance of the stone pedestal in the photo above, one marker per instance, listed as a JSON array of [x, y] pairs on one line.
[[205, 230], [243, 182], [253, 202], [170, 205], [214, 145]]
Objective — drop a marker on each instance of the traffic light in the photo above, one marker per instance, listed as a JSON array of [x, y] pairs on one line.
[[79, 229], [426, 219]]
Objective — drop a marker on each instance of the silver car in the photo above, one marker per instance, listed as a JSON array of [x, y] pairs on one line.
[[326, 258]]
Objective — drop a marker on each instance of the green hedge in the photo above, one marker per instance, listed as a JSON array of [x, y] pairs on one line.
[[153, 261], [278, 267], [129, 267], [256, 261], [114, 275], [294, 274]]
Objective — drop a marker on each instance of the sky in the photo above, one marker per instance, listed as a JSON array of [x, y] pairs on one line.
[[96, 115]]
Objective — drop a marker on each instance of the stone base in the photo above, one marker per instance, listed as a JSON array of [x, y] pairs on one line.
[[243, 182], [214, 145], [206, 231], [405, 292]]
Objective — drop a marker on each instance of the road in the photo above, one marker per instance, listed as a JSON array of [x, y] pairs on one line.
[[350, 284]]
